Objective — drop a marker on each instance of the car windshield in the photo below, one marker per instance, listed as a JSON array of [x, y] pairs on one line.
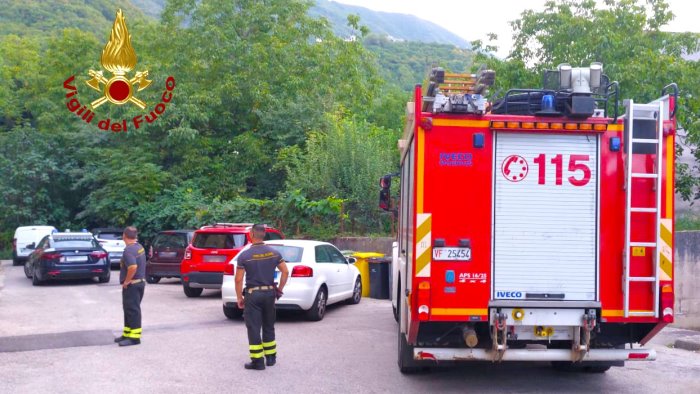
[[64, 243], [110, 236], [170, 241], [290, 254], [219, 240]]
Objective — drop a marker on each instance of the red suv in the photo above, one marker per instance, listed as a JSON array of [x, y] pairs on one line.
[[211, 249]]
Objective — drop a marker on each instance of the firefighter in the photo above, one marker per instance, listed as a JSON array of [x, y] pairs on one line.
[[257, 300], [131, 277]]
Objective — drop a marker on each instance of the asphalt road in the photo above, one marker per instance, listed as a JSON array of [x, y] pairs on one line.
[[57, 338]]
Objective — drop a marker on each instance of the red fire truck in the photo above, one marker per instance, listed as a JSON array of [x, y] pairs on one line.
[[537, 227]]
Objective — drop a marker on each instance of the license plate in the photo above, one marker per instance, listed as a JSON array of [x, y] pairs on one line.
[[168, 255], [452, 254], [214, 259], [75, 259]]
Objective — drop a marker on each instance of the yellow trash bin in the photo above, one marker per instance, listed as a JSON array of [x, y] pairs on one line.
[[362, 264]]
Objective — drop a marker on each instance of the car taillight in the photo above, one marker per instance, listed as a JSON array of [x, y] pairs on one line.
[[51, 256], [99, 255], [188, 254], [302, 271], [14, 244], [228, 270]]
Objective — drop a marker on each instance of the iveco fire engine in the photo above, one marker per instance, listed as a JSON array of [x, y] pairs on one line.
[[534, 227]]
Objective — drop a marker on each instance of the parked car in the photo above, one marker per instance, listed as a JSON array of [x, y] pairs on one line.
[[27, 236], [166, 253], [319, 275], [67, 256], [111, 241], [211, 249]]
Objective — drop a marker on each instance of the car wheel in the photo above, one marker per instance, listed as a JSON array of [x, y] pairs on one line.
[[233, 312], [35, 280], [15, 259], [191, 292], [318, 309], [356, 293], [27, 273], [105, 278], [152, 279]]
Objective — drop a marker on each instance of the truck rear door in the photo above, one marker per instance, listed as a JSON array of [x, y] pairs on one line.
[[545, 216]]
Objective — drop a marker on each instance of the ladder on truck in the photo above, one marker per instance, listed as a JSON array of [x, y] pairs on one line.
[[644, 115]]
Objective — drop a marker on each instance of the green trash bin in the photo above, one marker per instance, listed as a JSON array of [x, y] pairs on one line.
[[362, 264]]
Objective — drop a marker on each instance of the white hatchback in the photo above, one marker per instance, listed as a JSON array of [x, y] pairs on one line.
[[319, 275]]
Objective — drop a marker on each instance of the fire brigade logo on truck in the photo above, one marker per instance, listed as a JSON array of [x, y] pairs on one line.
[[118, 58], [514, 168]]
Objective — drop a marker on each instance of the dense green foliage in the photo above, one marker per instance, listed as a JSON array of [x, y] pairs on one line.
[[407, 63]]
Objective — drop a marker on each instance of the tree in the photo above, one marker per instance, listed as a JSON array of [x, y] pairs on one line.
[[345, 161]]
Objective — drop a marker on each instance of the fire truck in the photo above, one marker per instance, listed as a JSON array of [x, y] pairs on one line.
[[534, 227]]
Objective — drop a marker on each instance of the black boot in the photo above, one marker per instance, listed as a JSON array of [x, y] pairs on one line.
[[271, 360], [121, 338], [255, 363], [129, 342]]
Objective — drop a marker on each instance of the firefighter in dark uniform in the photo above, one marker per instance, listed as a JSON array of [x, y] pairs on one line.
[[257, 300], [131, 277]]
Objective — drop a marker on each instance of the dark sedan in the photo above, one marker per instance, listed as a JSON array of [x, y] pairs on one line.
[[166, 254], [67, 256]]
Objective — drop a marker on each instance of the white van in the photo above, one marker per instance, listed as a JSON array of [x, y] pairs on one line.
[[26, 236]]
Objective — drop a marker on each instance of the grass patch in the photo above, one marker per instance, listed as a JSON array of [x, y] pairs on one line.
[[687, 223]]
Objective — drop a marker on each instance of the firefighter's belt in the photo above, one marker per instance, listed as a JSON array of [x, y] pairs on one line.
[[250, 290]]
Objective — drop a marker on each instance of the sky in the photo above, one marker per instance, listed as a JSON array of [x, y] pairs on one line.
[[472, 22]]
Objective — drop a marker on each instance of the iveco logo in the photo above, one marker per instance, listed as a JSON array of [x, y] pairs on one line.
[[509, 294]]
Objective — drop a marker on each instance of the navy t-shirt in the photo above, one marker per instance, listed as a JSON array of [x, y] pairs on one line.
[[133, 254], [259, 262]]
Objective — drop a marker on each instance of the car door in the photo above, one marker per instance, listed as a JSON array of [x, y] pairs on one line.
[[346, 277], [328, 271]]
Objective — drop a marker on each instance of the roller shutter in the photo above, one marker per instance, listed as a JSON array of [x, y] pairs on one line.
[[545, 219]]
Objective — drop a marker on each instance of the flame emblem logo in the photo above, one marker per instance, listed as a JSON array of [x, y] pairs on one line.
[[119, 58]]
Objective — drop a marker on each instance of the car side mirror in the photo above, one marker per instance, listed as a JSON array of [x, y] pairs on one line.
[[31, 246], [351, 260]]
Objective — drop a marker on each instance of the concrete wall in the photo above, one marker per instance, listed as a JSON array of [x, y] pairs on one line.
[[687, 279], [686, 271], [364, 244]]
